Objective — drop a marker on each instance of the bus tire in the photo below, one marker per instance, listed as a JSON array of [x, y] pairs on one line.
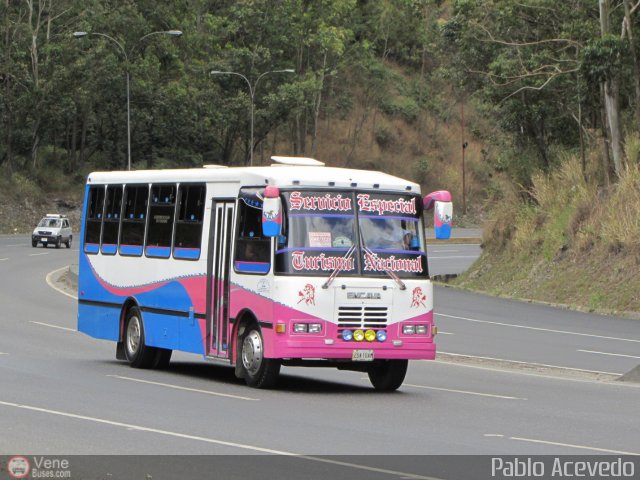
[[138, 354], [388, 375], [259, 372]]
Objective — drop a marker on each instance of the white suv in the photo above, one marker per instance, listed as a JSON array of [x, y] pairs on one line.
[[53, 229]]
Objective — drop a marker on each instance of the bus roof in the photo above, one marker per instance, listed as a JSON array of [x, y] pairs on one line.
[[277, 175]]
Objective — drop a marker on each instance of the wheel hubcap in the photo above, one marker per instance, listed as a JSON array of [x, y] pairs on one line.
[[252, 352], [133, 335]]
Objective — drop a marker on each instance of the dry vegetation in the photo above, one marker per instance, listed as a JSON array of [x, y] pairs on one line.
[[570, 243]]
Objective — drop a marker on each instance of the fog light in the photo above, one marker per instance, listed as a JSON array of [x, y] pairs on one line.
[[409, 329], [347, 335], [370, 335], [315, 328], [381, 335], [300, 327], [421, 329], [358, 335]]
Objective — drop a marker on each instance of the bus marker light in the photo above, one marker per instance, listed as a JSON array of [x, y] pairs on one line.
[[281, 328], [397, 343], [370, 335], [434, 330], [381, 335], [347, 335], [358, 335]]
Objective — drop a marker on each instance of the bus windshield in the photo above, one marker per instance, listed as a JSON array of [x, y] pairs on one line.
[[356, 233]]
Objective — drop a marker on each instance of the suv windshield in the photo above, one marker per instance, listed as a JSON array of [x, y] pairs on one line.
[[321, 227], [49, 222]]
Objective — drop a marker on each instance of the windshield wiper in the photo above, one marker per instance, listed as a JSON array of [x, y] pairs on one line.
[[395, 277], [334, 274]]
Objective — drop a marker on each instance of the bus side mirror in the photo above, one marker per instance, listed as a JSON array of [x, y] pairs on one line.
[[442, 206], [271, 212]]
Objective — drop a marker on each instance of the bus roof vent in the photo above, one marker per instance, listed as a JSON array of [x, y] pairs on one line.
[[214, 166], [298, 161]]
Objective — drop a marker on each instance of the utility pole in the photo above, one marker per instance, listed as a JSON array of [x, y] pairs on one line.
[[464, 147]]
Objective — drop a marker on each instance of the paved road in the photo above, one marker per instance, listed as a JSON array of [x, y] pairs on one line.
[[63, 392]]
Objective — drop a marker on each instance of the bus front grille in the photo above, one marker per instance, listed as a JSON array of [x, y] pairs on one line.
[[361, 316]]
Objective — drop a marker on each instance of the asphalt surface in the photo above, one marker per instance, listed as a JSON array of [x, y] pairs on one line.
[[64, 393]]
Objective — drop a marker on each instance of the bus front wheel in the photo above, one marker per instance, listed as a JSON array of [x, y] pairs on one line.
[[388, 375], [138, 354], [259, 372]]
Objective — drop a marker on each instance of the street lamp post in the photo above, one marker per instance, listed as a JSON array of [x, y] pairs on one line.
[[173, 33], [252, 93]]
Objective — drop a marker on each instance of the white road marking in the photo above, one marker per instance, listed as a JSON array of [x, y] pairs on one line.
[[606, 353], [431, 257], [445, 251], [17, 245], [497, 435], [3, 259], [538, 328], [177, 387], [466, 392], [531, 363], [38, 254], [3, 353], [215, 441], [583, 447], [538, 375], [53, 326], [440, 332], [54, 286]]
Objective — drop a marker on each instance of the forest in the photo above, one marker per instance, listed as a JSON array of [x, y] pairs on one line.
[[541, 97]]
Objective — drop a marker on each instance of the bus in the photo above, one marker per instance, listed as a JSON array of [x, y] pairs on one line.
[[294, 264]]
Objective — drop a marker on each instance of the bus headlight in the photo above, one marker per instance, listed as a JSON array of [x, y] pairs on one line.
[[408, 329], [315, 327], [347, 335], [300, 327], [358, 335], [370, 335], [421, 329]]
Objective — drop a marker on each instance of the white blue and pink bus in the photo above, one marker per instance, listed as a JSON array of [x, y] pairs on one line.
[[294, 264]]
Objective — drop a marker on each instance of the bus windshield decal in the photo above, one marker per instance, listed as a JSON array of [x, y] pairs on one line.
[[372, 262], [327, 202], [382, 206], [322, 262]]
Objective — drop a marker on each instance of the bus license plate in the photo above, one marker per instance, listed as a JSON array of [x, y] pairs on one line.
[[362, 356]]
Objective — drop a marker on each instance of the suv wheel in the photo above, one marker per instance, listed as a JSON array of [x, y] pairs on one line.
[[68, 242]]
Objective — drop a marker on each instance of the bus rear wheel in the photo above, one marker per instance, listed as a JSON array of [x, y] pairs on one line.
[[388, 375], [259, 372], [138, 354]]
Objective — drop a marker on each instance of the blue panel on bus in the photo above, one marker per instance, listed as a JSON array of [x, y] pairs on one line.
[[158, 252], [133, 250], [91, 247], [252, 267], [99, 322], [108, 249], [186, 253]]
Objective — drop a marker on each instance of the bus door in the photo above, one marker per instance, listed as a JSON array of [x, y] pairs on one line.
[[218, 277]]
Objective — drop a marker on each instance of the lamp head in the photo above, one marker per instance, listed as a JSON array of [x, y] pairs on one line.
[[80, 34]]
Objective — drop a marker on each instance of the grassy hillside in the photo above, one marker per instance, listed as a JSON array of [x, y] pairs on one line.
[[566, 241]]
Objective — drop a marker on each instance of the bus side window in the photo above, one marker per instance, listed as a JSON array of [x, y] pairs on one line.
[[93, 225], [136, 198], [160, 222], [253, 250], [188, 231], [111, 226]]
